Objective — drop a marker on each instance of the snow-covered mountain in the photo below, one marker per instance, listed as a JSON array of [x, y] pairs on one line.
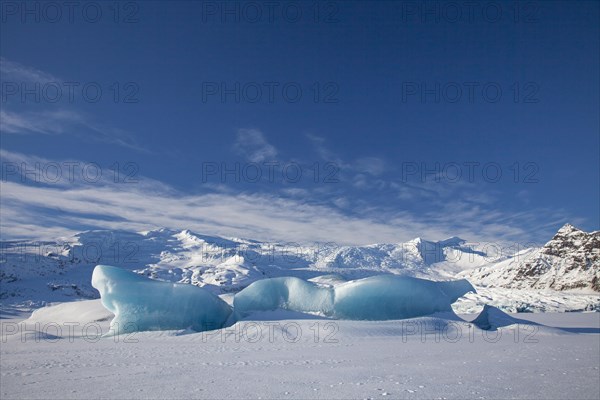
[[35, 273], [571, 260], [30, 269]]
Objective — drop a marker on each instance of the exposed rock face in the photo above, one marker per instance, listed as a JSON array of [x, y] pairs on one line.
[[571, 260]]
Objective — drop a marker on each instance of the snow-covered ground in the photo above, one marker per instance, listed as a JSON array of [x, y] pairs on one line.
[[541, 352], [527, 301], [287, 355]]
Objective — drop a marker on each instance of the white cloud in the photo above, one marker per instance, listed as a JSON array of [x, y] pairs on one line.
[[256, 216], [355, 170], [46, 122], [370, 165], [55, 119], [13, 71], [326, 155], [58, 122], [252, 144], [50, 211]]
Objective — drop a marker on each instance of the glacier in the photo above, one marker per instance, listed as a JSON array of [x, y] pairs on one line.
[[143, 304], [381, 297]]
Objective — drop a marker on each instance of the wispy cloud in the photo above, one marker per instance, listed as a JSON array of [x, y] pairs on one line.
[[49, 210], [370, 165], [59, 122], [258, 215], [324, 152], [54, 119], [252, 144], [46, 122], [13, 71]]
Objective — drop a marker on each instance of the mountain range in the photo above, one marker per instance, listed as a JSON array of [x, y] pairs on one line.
[[562, 275]]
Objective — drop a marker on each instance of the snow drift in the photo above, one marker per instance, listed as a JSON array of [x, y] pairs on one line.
[[142, 304]]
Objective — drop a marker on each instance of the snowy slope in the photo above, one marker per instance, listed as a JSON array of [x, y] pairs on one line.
[[571, 260], [418, 257]]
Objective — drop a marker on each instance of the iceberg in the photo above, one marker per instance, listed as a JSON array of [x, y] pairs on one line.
[[288, 293], [379, 297], [492, 318], [384, 297], [143, 304]]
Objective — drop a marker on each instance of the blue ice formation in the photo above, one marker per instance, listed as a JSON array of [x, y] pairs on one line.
[[492, 318], [288, 293], [143, 304], [384, 297], [379, 297]]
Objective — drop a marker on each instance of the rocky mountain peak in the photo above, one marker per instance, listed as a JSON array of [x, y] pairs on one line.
[[566, 229], [569, 240], [570, 260]]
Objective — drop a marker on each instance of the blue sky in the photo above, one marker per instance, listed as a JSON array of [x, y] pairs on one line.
[[367, 121]]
